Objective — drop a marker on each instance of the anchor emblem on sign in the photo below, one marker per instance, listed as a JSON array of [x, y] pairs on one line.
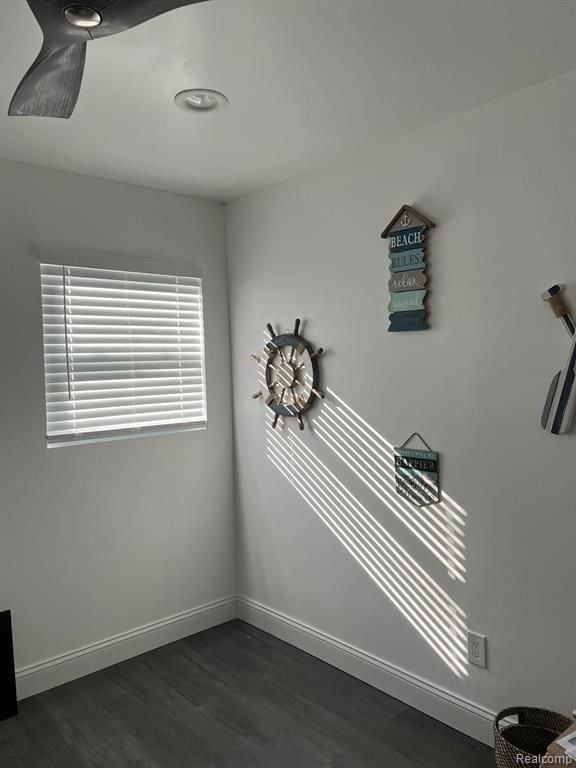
[[405, 220]]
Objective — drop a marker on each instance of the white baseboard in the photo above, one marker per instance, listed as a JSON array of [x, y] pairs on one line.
[[457, 712], [69, 666]]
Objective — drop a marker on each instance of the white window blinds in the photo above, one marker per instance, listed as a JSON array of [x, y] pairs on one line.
[[123, 352]]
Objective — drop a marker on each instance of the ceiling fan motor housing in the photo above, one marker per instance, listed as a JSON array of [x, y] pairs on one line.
[[82, 16]]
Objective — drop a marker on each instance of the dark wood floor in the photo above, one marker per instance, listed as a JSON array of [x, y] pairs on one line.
[[231, 697]]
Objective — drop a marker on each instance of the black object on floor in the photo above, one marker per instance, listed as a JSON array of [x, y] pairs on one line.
[[230, 697], [8, 705]]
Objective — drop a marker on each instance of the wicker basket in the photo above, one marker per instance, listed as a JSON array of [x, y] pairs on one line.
[[536, 729]]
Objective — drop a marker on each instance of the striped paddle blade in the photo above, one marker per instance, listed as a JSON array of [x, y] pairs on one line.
[[560, 404]]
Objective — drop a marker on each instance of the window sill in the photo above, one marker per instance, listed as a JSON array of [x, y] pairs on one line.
[[105, 437]]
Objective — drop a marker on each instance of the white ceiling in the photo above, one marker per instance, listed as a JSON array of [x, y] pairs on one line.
[[308, 81]]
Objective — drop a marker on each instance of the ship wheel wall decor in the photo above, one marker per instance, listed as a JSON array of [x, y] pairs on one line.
[[292, 375]]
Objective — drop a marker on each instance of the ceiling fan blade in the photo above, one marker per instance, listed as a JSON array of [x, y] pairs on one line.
[[51, 86], [120, 15]]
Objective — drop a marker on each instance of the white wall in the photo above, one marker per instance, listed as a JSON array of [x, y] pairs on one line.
[[96, 540], [500, 182]]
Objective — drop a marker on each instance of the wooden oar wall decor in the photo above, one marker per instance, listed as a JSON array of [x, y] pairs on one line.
[[560, 406], [406, 234]]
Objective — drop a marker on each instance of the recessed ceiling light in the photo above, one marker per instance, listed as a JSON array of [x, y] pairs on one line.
[[82, 16], [200, 100]]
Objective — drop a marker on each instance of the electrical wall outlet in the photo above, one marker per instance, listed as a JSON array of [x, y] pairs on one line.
[[477, 649]]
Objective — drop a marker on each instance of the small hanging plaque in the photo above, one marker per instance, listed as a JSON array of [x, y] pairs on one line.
[[417, 477]]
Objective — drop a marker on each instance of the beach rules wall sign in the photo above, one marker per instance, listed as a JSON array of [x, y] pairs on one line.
[[417, 477], [406, 235]]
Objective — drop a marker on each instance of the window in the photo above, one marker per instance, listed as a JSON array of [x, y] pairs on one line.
[[123, 353]]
